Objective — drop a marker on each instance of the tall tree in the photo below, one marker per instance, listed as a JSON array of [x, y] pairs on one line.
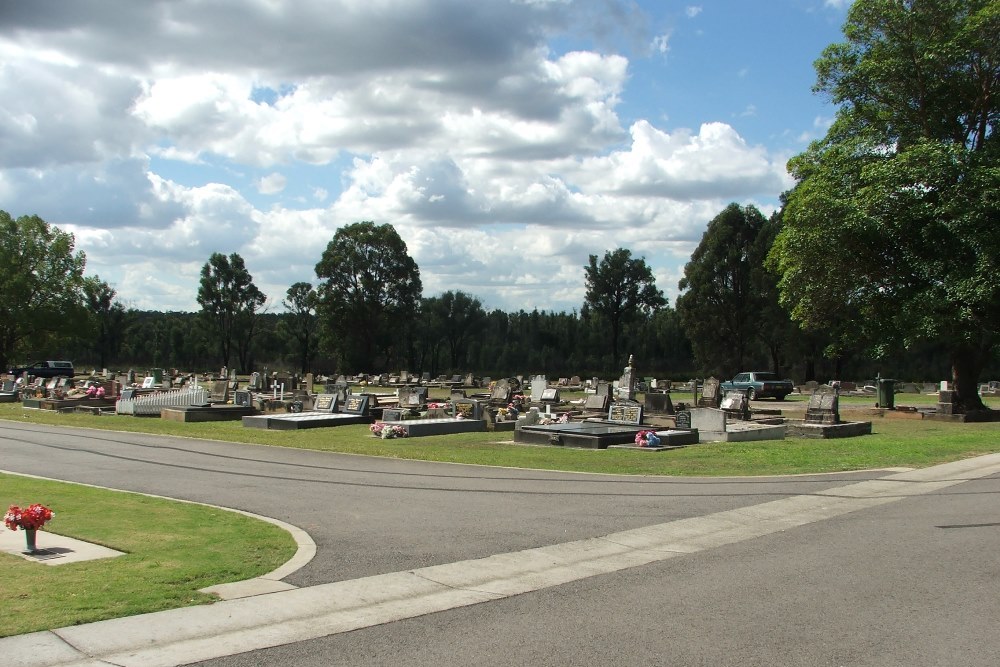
[[229, 303], [893, 223], [620, 289], [40, 285], [300, 322], [462, 318], [107, 319], [368, 293], [721, 302]]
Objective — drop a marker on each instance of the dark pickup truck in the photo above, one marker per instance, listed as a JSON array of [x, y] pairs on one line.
[[46, 369], [759, 384]]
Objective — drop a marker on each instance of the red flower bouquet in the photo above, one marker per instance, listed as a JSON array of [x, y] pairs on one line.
[[32, 517]]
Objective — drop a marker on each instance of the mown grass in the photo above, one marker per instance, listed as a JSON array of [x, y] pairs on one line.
[[172, 549]]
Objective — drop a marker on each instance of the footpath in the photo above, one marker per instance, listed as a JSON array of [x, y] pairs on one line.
[[267, 612]]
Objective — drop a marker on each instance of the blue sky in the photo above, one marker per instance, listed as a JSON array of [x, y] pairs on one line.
[[506, 140]]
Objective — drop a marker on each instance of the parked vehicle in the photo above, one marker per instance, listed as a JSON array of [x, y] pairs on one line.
[[46, 369], [759, 384]]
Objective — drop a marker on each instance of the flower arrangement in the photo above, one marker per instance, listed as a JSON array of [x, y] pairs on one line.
[[647, 439], [32, 517], [386, 431], [503, 414], [517, 401]]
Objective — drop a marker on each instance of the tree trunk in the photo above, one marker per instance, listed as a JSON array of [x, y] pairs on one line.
[[966, 365]]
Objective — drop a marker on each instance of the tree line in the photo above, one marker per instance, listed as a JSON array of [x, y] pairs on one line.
[[883, 258]]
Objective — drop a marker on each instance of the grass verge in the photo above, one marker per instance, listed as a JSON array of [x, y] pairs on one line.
[[172, 550]]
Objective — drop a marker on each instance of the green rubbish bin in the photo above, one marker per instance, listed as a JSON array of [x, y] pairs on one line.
[[885, 389]]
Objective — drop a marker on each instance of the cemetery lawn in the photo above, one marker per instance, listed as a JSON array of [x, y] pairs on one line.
[[894, 443], [172, 549]]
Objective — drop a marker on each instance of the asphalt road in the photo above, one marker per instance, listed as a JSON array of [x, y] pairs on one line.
[[913, 582]]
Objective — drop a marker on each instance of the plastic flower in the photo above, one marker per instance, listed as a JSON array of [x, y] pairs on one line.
[[32, 517]]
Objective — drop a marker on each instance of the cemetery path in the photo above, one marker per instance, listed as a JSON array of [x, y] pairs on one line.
[[466, 565]]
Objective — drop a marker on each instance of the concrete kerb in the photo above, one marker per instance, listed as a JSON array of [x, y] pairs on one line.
[[191, 634]]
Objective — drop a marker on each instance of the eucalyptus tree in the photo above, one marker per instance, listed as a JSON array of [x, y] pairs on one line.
[[369, 292], [230, 305], [892, 226], [722, 297], [107, 319], [41, 286], [621, 291], [300, 322]]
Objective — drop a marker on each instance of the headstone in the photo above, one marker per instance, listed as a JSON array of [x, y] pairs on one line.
[[469, 381], [220, 392], [467, 409], [255, 384], [394, 414], [626, 385], [550, 395], [539, 384], [710, 397], [736, 404], [603, 388], [625, 413], [501, 391], [128, 394], [683, 419], [658, 403], [325, 403], [575, 381], [356, 404], [243, 398], [412, 397], [946, 402], [597, 402], [709, 419], [309, 383], [824, 406], [147, 383]]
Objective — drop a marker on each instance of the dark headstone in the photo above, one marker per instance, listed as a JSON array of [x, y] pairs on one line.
[[550, 395], [325, 403], [658, 403], [356, 404], [128, 394], [682, 419], [393, 414], [412, 397], [242, 398], [946, 402], [467, 409]]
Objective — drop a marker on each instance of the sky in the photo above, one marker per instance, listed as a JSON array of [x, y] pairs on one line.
[[505, 140]]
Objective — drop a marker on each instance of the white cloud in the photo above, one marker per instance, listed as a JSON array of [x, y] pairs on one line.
[[271, 184], [693, 10], [502, 163]]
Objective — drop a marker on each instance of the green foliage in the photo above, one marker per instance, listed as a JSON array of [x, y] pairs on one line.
[[41, 297], [368, 295], [107, 319], [300, 323], [621, 291], [890, 235], [729, 303], [229, 303]]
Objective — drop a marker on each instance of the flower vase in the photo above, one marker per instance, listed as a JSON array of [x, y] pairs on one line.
[[29, 538]]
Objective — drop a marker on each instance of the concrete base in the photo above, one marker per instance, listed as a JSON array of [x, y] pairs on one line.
[[823, 431], [53, 549], [206, 413], [7, 397], [416, 428], [302, 420], [744, 432], [669, 439]]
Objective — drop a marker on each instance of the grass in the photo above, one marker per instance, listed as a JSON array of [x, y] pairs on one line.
[[172, 550]]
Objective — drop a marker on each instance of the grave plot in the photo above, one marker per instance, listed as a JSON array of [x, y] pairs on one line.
[[823, 418], [416, 428]]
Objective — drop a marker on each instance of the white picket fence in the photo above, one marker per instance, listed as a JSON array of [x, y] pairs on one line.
[[151, 404]]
